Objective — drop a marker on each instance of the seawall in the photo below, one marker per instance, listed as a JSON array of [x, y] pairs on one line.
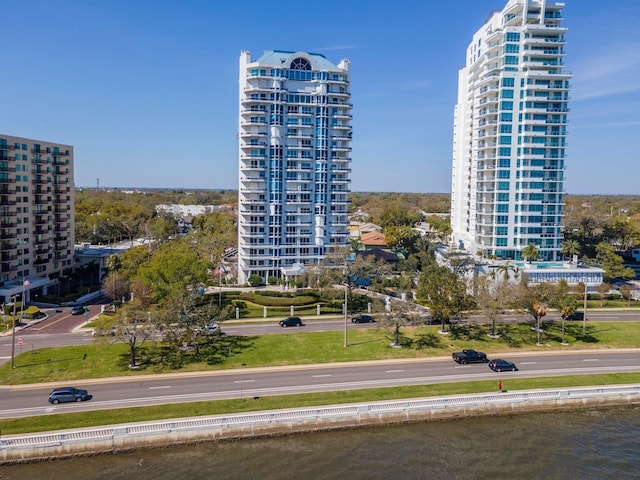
[[111, 439]]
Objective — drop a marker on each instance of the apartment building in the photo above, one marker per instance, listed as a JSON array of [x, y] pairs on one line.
[[36, 215], [510, 130], [294, 156]]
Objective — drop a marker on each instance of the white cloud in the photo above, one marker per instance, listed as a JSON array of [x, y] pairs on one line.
[[613, 70]]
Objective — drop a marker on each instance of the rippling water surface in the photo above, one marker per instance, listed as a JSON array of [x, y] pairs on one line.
[[590, 444]]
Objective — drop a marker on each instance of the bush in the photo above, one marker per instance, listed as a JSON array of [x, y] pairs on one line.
[[254, 280]]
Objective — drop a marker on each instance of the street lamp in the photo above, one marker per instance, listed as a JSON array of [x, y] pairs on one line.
[[13, 332], [346, 291], [584, 318]]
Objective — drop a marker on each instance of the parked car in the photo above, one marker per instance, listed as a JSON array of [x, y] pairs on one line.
[[291, 322], [363, 318], [68, 394], [469, 356], [575, 316], [499, 365], [78, 310]]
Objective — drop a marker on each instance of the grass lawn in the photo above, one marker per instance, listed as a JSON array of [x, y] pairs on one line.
[[295, 346]]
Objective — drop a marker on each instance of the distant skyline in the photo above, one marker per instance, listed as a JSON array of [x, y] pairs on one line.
[[147, 92]]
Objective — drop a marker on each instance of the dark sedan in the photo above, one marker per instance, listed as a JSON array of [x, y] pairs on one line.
[[291, 322], [499, 365], [362, 318]]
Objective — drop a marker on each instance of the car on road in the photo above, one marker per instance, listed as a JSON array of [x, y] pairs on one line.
[[78, 310], [363, 318], [575, 316], [291, 322], [68, 394], [500, 365], [212, 329], [469, 356]]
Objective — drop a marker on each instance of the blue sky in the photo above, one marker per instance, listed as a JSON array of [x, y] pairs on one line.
[[147, 90]]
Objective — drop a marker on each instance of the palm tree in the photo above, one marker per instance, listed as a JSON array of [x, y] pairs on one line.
[[530, 252], [507, 267], [567, 305], [570, 248], [539, 310]]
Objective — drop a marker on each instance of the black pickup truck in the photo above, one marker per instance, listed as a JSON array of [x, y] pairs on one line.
[[469, 356]]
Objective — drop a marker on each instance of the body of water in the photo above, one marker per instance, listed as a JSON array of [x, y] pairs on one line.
[[588, 444]]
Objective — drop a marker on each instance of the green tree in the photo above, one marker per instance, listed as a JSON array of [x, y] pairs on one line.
[[505, 269], [536, 300], [612, 263], [174, 267], [402, 238], [444, 293], [566, 305], [531, 252], [570, 248]]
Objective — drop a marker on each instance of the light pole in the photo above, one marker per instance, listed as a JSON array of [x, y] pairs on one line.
[[346, 291], [13, 332], [584, 318]]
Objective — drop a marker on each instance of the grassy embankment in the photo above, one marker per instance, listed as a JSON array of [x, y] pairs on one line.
[[98, 360]]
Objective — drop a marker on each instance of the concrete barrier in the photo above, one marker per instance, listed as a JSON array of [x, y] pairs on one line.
[[26, 448]]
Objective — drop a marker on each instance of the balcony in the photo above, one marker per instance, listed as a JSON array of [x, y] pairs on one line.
[[8, 246], [7, 223]]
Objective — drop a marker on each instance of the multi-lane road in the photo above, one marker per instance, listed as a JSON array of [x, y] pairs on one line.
[[28, 400], [20, 401]]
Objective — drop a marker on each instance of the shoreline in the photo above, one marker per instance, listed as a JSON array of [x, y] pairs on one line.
[[17, 449]]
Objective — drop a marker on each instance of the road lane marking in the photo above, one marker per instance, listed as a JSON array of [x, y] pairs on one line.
[[527, 363], [591, 360], [319, 376], [156, 388], [394, 371], [243, 381], [52, 323]]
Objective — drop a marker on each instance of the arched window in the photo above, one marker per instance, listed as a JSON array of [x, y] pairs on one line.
[[300, 64]]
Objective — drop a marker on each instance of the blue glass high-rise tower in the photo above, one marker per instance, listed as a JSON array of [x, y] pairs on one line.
[[510, 130], [295, 156]]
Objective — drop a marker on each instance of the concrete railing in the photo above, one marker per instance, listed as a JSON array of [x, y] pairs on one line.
[[24, 448]]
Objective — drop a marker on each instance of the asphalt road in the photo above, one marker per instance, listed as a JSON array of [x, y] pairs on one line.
[[29, 400]]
